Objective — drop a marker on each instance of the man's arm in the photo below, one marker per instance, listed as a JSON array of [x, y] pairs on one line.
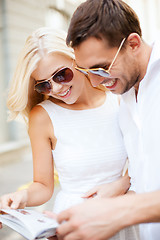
[[102, 218]]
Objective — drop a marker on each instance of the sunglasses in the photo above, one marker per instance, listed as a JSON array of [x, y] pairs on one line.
[[101, 71], [63, 76]]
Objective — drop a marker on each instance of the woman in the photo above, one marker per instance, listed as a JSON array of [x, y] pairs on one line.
[[69, 121]]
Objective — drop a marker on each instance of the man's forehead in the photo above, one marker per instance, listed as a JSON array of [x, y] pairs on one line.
[[91, 53], [90, 43]]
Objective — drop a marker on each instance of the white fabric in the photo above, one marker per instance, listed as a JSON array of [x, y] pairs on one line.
[[140, 125], [89, 152]]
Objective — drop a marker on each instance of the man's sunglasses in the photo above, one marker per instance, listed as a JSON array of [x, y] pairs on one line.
[[101, 71], [63, 76]]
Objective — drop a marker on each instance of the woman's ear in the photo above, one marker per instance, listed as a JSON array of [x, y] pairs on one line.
[[134, 41]]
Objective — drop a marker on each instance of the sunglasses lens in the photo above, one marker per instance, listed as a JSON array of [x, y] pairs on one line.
[[100, 72], [43, 88], [63, 76]]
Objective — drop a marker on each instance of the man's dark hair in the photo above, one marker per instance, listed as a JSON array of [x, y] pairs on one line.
[[112, 20]]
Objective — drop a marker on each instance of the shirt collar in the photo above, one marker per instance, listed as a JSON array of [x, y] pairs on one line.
[[155, 56]]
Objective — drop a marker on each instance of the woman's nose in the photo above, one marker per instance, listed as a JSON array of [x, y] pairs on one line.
[[56, 86]]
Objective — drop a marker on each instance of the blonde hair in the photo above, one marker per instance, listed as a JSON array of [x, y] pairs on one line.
[[22, 97]]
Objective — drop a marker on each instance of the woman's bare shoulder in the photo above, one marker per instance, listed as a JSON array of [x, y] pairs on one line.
[[39, 118], [38, 113]]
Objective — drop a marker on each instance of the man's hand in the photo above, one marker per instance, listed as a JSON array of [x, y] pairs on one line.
[[95, 219], [54, 216], [113, 189]]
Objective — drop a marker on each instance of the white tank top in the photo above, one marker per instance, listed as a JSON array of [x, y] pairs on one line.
[[89, 149]]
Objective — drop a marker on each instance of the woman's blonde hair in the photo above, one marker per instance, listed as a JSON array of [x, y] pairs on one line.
[[22, 97]]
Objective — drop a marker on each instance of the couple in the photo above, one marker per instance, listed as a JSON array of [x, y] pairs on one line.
[[109, 50], [69, 122]]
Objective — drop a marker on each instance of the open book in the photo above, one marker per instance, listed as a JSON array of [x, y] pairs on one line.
[[29, 223]]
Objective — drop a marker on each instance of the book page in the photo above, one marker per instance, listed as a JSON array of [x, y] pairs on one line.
[[29, 221], [14, 223]]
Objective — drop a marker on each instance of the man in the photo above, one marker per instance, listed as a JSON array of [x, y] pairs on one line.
[[109, 48]]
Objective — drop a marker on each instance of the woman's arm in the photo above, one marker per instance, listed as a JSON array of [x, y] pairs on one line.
[[41, 135]]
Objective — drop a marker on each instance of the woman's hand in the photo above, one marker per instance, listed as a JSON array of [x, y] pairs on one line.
[[14, 200], [112, 189]]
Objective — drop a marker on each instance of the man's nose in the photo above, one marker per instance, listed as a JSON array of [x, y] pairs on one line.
[[96, 81]]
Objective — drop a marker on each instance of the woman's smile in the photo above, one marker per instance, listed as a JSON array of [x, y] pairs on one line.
[[66, 93]]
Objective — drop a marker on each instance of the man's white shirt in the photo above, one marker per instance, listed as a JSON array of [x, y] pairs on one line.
[[140, 125]]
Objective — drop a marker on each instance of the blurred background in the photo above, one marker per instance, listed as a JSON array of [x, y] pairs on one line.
[[18, 18]]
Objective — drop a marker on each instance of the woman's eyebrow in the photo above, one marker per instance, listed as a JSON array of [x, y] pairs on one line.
[[51, 74]]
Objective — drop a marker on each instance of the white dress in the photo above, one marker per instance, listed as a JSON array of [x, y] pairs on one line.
[[89, 152]]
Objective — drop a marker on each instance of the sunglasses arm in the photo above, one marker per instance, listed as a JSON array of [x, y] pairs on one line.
[[116, 54]]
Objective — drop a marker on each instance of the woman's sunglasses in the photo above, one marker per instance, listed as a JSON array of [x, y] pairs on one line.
[[63, 76]]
